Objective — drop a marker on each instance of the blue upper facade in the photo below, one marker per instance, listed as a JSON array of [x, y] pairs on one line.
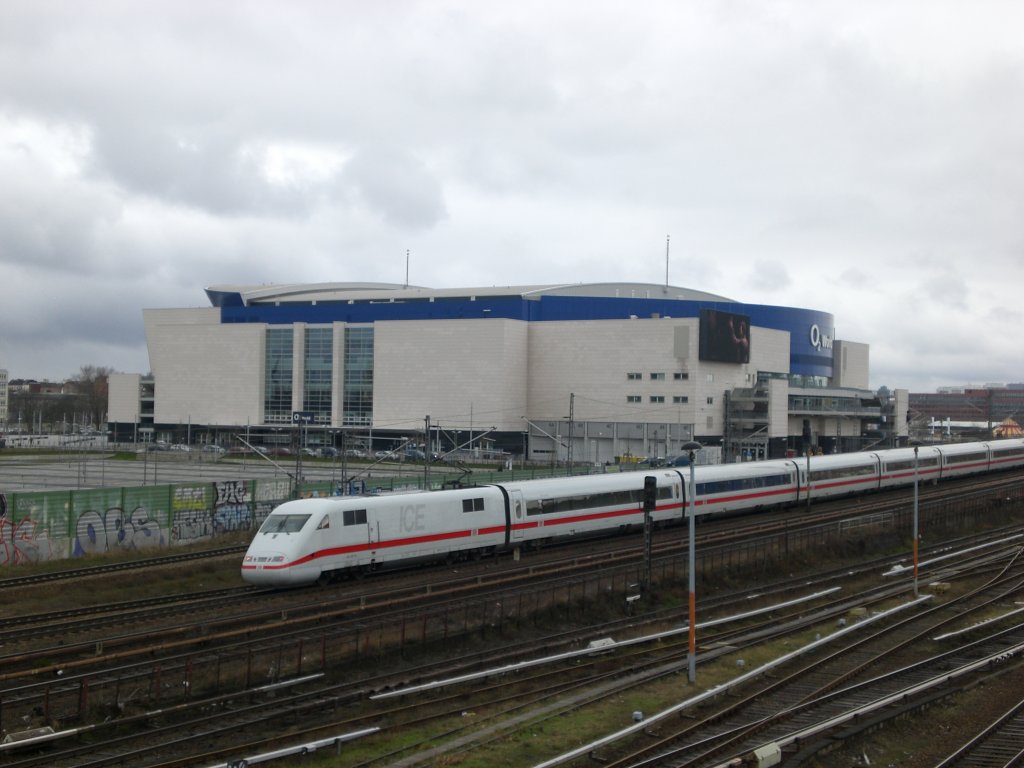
[[811, 331]]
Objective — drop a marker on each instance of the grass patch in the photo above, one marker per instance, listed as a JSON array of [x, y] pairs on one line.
[[187, 576]]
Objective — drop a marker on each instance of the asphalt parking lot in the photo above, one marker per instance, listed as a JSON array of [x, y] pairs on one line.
[[91, 469]]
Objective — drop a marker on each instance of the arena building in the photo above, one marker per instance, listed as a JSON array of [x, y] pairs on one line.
[[580, 373]]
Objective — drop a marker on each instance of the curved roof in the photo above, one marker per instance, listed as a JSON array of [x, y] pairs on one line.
[[247, 295], [811, 331]]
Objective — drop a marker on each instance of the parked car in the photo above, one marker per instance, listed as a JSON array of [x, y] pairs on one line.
[[355, 453], [213, 448], [682, 460], [328, 452], [650, 462], [385, 455]]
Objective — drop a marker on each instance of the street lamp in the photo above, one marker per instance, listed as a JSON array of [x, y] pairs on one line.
[[917, 445], [691, 449]]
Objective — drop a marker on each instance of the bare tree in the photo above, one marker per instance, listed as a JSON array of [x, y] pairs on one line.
[[92, 385]]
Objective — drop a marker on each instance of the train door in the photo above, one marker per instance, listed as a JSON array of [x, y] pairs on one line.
[[360, 523], [518, 514]]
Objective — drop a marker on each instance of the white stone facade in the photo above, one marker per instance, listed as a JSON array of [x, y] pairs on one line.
[[535, 361]]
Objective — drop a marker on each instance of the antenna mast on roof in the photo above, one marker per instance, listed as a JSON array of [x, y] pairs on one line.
[[406, 267], [667, 238]]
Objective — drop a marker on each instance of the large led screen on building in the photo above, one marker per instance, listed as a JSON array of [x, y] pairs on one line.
[[724, 337]]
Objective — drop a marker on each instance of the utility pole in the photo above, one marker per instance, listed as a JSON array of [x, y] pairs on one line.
[[568, 451], [649, 504], [667, 238], [426, 454]]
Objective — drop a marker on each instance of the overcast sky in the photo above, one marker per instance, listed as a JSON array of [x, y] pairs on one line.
[[861, 158]]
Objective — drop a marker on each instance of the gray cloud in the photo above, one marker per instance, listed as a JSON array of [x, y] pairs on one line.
[[854, 160], [396, 187]]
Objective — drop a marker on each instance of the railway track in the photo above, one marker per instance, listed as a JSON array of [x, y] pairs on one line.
[[301, 695], [12, 582], [35, 645], [278, 645], [827, 687], [250, 708], [999, 745]]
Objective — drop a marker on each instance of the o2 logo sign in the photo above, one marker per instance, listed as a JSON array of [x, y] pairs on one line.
[[820, 341]]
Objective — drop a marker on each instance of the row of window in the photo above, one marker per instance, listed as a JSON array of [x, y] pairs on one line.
[[657, 376], [351, 517], [965, 457], [584, 501], [923, 461], [318, 362], [832, 474], [676, 399], [318, 357], [277, 376], [660, 376], [743, 484], [357, 389]]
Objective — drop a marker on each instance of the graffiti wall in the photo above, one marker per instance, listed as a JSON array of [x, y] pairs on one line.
[[105, 521], [191, 513], [52, 525], [23, 539]]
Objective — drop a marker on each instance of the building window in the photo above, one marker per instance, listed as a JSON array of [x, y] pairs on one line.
[[657, 377], [633, 376], [316, 379], [657, 398], [632, 398], [679, 399], [357, 390], [711, 423], [711, 401], [277, 376], [681, 376], [710, 378]]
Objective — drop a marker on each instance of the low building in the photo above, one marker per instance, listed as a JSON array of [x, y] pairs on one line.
[[985, 406]]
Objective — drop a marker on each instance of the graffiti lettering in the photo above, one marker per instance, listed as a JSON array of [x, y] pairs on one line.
[[232, 510], [26, 542], [232, 492], [188, 497], [191, 525], [112, 530], [232, 517]]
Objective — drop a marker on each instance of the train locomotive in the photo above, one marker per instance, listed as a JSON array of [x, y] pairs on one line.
[[310, 540]]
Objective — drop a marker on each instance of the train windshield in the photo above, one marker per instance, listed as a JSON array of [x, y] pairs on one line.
[[284, 523]]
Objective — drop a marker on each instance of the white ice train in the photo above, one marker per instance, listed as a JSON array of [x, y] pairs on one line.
[[311, 539]]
